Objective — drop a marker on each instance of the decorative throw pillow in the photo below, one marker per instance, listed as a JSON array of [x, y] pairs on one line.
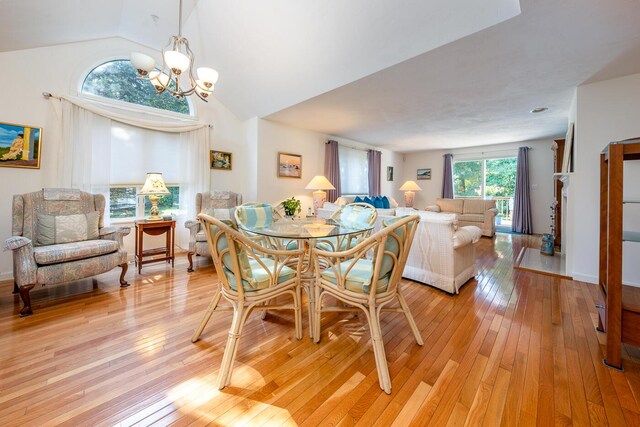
[[54, 229], [368, 200], [377, 202], [358, 199], [385, 203]]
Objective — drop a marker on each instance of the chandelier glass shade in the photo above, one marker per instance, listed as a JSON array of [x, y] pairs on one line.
[[176, 75]]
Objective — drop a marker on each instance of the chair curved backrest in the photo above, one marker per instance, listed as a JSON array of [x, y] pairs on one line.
[[356, 214], [241, 260], [390, 247]]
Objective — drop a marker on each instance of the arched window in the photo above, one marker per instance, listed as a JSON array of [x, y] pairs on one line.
[[118, 80]]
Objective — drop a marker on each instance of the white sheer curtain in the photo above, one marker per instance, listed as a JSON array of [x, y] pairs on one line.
[[84, 151], [354, 171]]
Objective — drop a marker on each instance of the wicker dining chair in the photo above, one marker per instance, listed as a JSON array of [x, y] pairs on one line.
[[250, 275], [369, 284], [356, 215]]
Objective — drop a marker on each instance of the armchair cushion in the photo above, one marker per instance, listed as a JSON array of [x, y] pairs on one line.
[[53, 229], [261, 278], [359, 277], [221, 214], [201, 236], [53, 254]]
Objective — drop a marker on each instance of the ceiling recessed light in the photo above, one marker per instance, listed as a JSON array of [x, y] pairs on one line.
[[539, 110]]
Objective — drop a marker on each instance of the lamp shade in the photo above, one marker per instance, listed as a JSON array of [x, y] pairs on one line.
[[143, 62], [410, 186], [154, 184], [319, 182], [177, 61]]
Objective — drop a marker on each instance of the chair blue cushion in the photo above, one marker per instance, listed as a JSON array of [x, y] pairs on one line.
[[260, 277], [385, 202], [254, 216], [359, 277]]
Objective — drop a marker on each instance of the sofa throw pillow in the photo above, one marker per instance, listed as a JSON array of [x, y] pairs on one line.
[[368, 200], [377, 202], [54, 229], [358, 199], [385, 203]]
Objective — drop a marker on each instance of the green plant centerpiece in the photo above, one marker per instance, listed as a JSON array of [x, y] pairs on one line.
[[291, 207]]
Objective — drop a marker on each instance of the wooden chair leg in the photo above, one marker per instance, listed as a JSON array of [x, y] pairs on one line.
[[378, 350], [298, 311], [123, 282], [190, 257], [207, 315], [16, 288], [230, 350], [26, 299], [314, 327], [263, 313], [412, 322]]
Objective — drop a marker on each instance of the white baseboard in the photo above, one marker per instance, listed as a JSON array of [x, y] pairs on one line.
[[594, 279], [6, 275]]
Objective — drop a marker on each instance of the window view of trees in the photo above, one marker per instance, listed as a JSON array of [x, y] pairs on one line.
[[467, 179], [500, 177], [118, 80], [123, 202]]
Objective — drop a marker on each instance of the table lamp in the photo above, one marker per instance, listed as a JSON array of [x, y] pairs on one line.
[[409, 188], [319, 183], [154, 187]]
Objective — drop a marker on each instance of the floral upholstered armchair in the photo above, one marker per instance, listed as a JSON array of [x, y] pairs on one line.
[[218, 204], [59, 236]]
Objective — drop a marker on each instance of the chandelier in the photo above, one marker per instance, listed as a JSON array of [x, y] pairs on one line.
[[176, 76]]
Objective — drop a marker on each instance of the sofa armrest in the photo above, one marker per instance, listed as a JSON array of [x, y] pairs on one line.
[[492, 211], [432, 208], [465, 236], [194, 227], [116, 234], [24, 264]]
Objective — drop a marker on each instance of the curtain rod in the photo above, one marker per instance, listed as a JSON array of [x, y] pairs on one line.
[[488, 152], [49, 95], [340, 144]]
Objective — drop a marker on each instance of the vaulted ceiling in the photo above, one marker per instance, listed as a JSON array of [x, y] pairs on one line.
[[405, 74]]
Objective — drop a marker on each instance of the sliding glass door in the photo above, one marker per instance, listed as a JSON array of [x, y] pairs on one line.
[[488, 179]]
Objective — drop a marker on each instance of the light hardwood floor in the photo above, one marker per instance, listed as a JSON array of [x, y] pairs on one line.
[[512, 348]]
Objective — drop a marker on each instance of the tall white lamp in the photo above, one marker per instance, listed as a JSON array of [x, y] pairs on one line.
[[319, 183], [154, 187], [409, 188]]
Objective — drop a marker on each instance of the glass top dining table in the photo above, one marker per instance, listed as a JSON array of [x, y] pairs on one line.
[[314, 228]]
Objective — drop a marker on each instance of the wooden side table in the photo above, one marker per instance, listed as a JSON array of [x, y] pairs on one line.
[[154, 228]]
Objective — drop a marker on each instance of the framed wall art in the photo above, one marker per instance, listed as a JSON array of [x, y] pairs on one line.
[[289, 165], [389, 173], [20, 146], [220, 160], [424, 174]]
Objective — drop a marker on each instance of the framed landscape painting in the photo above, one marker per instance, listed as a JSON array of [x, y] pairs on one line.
[[424, 174], [289, 165], [220, 160], [20, 146]]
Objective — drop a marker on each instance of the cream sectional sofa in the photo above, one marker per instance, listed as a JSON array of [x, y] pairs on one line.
[[328, 209], [478, 212]]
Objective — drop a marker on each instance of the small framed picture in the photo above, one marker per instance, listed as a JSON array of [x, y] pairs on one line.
[[289, 165], [220, 160], [389, 173], [424, 174], [20, 146]]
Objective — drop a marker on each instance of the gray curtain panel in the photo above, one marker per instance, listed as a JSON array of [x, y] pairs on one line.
[[522, 202], [447, 179], [332, 169], [375, 163]]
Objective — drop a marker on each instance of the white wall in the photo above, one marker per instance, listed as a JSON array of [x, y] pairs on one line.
[[275, 137], [60, 70], [540, 178], [606, 111]]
